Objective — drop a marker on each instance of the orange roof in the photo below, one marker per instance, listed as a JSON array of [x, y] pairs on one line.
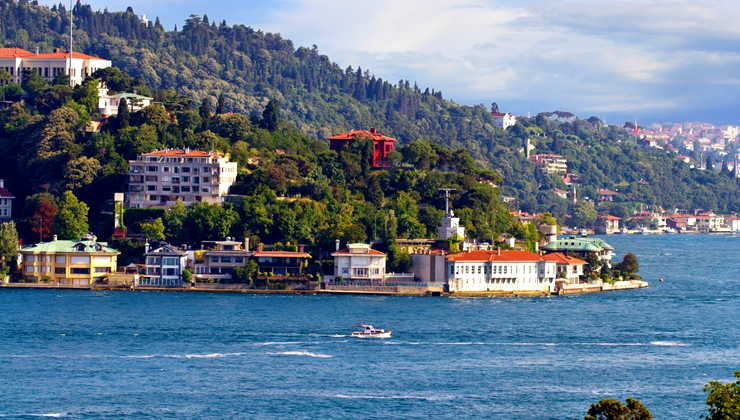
[[21, 53], [610, 217], [352, 135], [483, 255], [289, 254], [14, 53], [179, 152], [562, 259]]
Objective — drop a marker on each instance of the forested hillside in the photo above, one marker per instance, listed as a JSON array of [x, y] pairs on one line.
[[247, 67]]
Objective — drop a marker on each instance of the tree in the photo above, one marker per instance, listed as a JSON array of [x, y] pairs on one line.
[[723, 400], [80, 172], [584, 214], [187, 276], [221, 107], [153, 230], [205, 112], [174, 218], [629, 264], [270, 115], [8, 247], [70, 220], [123, 114], [611, 409]]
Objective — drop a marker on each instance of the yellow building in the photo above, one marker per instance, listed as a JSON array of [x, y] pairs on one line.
[[69, 262]]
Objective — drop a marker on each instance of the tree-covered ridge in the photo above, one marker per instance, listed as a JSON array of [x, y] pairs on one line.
[[244, 68]]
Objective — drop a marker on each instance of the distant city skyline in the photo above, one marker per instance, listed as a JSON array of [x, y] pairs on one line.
[[666, 61]]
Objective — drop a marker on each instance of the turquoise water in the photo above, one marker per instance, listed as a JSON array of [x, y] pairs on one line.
[[131, 355]]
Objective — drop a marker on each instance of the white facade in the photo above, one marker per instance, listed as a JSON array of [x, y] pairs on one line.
[[6, 202], [164, 267], [450, 227], [162, 177], [108, 104], [515, 271], [503, 120], [49, 65], [359, 262]]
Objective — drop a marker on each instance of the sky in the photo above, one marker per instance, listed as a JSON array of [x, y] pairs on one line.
[[620, 60]]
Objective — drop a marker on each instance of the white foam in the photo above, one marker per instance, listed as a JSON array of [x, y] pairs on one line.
[[385, 397], [667, 343], [54, 415], [301, 353], [211, 355]]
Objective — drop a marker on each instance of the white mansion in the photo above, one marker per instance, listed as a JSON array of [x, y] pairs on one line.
[[50, 65]]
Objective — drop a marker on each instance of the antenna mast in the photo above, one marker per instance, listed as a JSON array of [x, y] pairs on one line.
[[71, 27], [447, 199]]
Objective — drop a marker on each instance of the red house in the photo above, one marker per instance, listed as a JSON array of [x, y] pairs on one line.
[[383, 144]]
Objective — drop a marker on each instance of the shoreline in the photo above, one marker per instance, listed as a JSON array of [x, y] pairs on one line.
[[573, 289]]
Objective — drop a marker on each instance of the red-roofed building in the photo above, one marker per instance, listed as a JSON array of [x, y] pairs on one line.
[[6, 202], [359, 262], [50, 65], [500, 270], [162, 177], [606, 195], [571, 268], [503, 120], [606, 224], [383, 145]]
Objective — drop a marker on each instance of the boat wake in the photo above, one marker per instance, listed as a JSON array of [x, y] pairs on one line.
[[301, 353]]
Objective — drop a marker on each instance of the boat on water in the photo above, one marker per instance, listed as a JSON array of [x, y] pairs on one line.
[[367, 331]]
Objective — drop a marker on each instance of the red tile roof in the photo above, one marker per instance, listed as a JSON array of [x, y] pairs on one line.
[[610, 217], [483, 255], [352, 135], [20, 53], [5, 193], [562, 259]]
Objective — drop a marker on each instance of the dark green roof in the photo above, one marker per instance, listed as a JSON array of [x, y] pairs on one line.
[[575, 244]]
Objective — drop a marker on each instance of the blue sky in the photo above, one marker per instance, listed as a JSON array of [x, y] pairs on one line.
[[654, 61]]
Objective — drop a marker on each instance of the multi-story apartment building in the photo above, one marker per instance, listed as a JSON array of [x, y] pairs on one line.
[[550, 163], [6, 202], [50, 65], [162, 177], [80, 262]]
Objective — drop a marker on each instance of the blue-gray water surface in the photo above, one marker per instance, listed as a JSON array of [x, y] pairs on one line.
[[132, 355]]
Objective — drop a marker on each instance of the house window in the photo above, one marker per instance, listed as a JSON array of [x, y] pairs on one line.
[[225, 259], [185, 179], [59, 270], [151, 169], [169, 261], [452, 269], [151, 188], [102, 269], [185, 188], [166, 188], [186, 170], [151, 178], [239, 260], [345, 270], [80, 271], [170, 272], [479, 269], [214, 259]]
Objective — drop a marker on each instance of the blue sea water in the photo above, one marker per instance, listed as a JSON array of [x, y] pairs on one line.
[[136, 355]]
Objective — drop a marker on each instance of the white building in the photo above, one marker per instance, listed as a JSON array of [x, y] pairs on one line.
[[6, 202], [49, 65], [359, 262], [450, 227], [515, 271], [161, 177], [164, 266], [503, 120], [108, 104]]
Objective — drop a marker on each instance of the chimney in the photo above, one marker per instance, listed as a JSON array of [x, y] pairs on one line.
[[2, 183], [56, 50], [246, 244], [372, 130], [300, 248], [146, 248], [37, 50], [55, 238], [336, 245], [498, 251], [259, 247]]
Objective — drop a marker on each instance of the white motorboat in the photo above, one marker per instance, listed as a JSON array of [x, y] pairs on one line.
[[369, 332]]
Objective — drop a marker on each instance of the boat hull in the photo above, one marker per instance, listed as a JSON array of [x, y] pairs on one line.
[[384, 334]]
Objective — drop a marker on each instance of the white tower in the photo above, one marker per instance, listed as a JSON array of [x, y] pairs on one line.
[[450, 224]]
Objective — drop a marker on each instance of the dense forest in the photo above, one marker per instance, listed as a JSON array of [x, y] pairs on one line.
[[240, 69]]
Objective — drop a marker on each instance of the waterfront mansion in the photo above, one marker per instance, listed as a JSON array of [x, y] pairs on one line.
[[514, 271]]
